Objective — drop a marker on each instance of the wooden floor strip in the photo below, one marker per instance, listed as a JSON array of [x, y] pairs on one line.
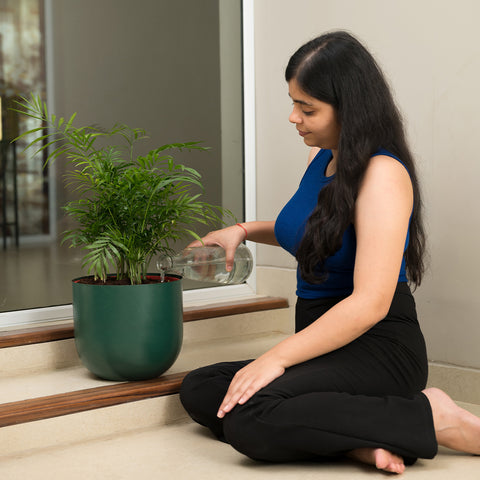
[[28, 336], [234, 308], [82, 400]]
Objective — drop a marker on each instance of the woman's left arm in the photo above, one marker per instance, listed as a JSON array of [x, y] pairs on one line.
[[382, 214]]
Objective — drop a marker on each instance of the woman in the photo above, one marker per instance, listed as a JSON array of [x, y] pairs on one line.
[[351, 380]]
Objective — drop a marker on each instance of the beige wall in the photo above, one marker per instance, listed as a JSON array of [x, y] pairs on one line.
[[430, 50]]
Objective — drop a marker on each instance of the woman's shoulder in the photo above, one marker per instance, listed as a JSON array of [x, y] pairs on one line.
[[385, 176], [383, 159]]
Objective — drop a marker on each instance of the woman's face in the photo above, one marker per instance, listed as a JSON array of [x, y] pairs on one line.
[[316, 121]]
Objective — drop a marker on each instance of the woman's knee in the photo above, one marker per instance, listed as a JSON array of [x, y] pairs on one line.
[[245, 431], [241, 432], [203, 389], [209, 383], [188, 387]]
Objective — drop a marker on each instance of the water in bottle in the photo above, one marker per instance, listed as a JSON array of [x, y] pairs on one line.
[[207, 264]]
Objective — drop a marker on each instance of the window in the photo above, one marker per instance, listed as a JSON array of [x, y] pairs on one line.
[[160, 68]]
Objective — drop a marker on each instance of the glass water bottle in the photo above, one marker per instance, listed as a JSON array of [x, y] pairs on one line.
[[207, 264]]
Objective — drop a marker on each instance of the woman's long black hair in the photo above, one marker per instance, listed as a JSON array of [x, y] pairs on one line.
[[336, 69]]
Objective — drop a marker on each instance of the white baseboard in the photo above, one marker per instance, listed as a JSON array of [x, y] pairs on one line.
[[461, 383]]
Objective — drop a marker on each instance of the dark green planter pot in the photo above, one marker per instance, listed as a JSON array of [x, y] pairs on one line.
[[128, 332]]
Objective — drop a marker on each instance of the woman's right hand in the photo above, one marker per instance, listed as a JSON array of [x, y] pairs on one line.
[[228, 238]]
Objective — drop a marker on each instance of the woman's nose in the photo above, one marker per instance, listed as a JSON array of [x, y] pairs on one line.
[[294, 117]]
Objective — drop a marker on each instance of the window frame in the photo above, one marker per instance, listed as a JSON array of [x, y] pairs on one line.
[[61, 313]]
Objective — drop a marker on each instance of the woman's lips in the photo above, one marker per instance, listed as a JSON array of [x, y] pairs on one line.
[[302, 134]]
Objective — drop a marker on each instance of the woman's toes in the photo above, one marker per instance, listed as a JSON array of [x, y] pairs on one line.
[[387, 461], [380, 458]]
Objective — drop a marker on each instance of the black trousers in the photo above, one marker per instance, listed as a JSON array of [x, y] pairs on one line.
[[365, 394]]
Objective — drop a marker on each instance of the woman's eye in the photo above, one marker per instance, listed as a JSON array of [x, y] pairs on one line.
[[307, 112]]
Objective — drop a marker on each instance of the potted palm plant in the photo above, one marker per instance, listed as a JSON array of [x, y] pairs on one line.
[[128, 323]]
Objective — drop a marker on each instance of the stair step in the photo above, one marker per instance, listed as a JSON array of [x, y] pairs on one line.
[[37, 396], [75, 415], [38, 402], [52, 347], [51, 406], [27, 336]]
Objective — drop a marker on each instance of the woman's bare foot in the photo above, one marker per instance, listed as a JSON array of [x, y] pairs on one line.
[[455, 427], [382, 459]]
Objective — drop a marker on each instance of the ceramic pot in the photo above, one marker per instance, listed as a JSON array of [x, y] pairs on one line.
[[128, 332]]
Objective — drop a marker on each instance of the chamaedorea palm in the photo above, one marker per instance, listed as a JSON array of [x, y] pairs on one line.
[[130, 208]]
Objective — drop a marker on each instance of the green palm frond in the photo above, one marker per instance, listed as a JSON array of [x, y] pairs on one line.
[[132, 207]]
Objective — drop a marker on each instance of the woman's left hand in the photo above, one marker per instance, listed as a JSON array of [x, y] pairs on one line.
[[248, 381]]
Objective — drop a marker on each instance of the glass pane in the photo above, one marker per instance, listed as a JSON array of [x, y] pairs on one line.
[[21, 72], [173, 68]]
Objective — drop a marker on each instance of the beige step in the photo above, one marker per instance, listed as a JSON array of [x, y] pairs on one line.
[[69, 388], [51, 348], [47, 398]]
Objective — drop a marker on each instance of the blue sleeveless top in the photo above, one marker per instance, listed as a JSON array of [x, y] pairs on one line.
[[290, 227]]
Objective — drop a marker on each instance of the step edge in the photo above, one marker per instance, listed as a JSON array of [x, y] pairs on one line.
[[33, 335], [50, 406]]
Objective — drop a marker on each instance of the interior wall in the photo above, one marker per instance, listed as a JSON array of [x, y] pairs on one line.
[[430, 51]]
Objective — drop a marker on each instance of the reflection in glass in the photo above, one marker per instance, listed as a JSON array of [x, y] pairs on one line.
[[22, 71], [173, 68]]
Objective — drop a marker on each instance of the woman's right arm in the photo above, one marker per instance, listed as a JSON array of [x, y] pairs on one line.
[[230, 237], [260, 232]]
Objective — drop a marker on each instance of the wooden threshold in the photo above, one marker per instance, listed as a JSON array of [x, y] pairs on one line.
[[28, 336], [40, 408]]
